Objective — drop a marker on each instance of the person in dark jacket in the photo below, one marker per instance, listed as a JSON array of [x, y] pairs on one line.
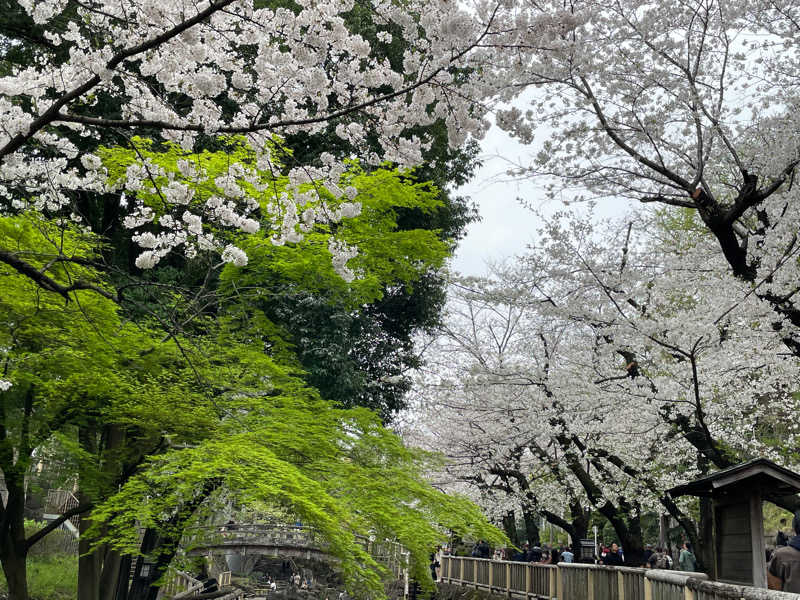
[[476, 550], [648, 552], [781, 539], [783, 572], [555, 556], [613, 558], [522, 554], [434, 567]]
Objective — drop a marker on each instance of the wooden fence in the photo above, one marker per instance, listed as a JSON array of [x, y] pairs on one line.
[[573, 581]]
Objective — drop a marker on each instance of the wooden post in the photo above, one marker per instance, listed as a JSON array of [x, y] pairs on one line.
[[559, 583], [590, 584], [461, 570], [648, 588], [508, 580], [688, 593], [491, 574], [551, 583], [757, 540], [475, 572], [527, 580], [621, 585]]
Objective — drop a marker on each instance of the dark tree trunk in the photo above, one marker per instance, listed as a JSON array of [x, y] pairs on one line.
[[15, 570], [634, 545], [510, 527], [110, 574], [99, 569], [532, 527], [89, 561], [13, 466], [580, 524], [88, 566], [123, 578], [13, 548]]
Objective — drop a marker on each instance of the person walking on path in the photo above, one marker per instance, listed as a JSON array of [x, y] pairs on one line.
[[687, 560], [783, 571], [648, 552], [613, 558]]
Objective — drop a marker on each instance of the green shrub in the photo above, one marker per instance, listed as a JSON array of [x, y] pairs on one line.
[[50, 577]]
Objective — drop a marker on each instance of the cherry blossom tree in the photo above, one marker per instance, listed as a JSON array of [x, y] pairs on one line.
[[691, 105], [187, 72], [618, 359]]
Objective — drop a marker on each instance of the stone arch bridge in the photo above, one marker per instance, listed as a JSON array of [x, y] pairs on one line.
[[285, 542]]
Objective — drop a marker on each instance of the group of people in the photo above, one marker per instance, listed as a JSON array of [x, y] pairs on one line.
[[528, 553], [783, 568], [653, 558], [608, 554], [300, 582], [545, 555]]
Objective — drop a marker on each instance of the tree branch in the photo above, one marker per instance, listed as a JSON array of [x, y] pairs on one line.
[[56, 523], [48, 283], [53, 111]]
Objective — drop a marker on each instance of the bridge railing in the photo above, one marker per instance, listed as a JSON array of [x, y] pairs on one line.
[[391, 554], [573, 581], [255, 535], [601, 582]]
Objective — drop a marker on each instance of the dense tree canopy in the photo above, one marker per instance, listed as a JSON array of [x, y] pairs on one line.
[[207, 207], [217, 409], [606, 366], [691, 105]]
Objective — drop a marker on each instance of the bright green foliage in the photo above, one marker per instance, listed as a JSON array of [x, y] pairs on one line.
[[50, 577], [76, 364], [387, 255], [200, 170], [339, 471], [353, 339], [50, 350], [216, 412]]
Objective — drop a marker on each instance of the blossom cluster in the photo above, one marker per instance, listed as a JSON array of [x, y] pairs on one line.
[[177, 67]]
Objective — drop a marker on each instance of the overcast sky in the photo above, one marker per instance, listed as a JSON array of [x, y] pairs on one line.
[[506, 226]]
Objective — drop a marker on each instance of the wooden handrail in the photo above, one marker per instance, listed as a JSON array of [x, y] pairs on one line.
[[575, 581]]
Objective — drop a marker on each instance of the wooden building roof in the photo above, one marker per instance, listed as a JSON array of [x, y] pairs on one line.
[[773, 480]]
